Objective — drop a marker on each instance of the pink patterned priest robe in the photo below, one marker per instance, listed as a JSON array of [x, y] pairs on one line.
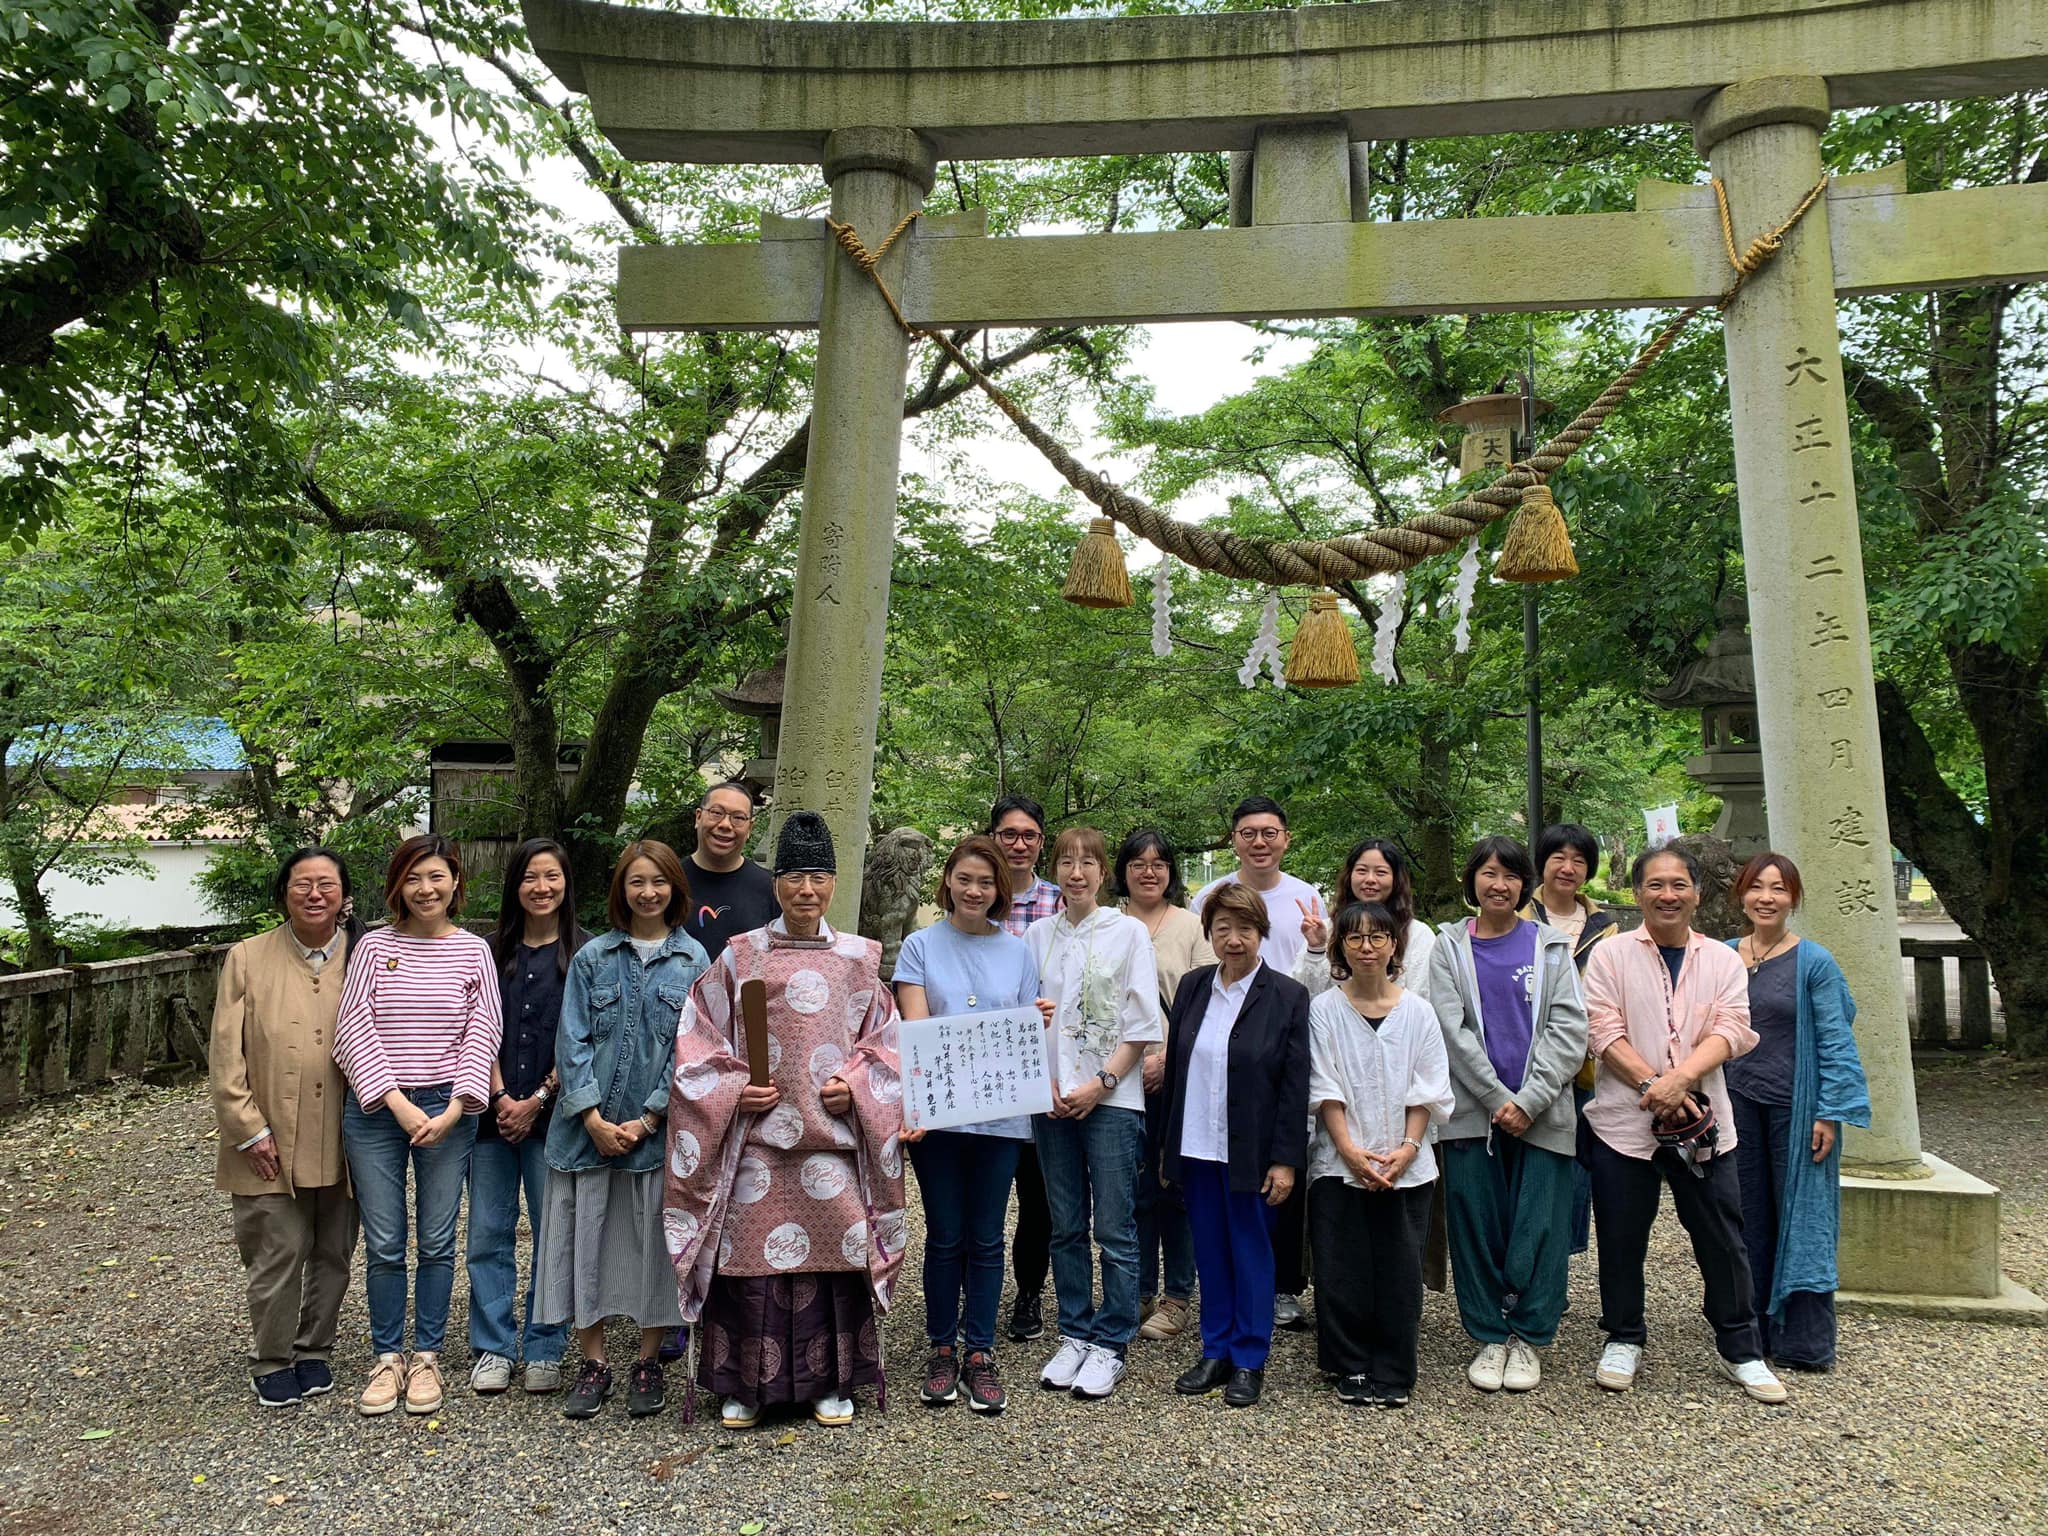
[[795, 1190]]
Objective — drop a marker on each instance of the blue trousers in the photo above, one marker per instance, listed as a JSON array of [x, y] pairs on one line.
[[1162, 1219], [1091, 1169], [964, 1182], [1233, 1236], [378, 1157], [1508, 1212], [1803, 1332], [500, 1171]]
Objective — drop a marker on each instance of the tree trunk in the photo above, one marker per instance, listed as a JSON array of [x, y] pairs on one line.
[[1435, 876], [35, 911]]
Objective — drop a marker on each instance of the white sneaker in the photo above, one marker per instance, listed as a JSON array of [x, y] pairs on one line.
[[1618, 1366], [1523, 1370], [1487, 1367], [490, 1373], [1064, 1366], [1754, 1377], [1099, 1373], [1287, 1311], [543, 1376], [833, 1410]]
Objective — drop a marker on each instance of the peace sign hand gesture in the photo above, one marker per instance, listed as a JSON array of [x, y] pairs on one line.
[[1315, 928]]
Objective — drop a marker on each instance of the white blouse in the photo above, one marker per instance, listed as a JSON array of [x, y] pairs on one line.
[[1104, 984], [1377, 1075], [1205, 1122]]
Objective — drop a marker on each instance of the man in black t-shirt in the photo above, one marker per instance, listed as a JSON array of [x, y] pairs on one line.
[[729, 893]]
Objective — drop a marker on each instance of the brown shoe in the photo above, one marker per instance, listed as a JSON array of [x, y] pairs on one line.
[[1147, 1305], [423, 1386], [1169, 1322], [384, 1388]]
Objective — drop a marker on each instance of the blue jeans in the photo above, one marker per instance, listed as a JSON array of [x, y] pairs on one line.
[[1803, 1332], [1163, 1233], [1091, 1167], [499, 1171], [378, 1155], [964, 1181], [1233, 1238]]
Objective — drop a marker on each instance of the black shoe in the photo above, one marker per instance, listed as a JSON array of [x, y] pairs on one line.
[[1202, 1378], [315, 1379], [1244, 1388], [1391, 1399], [1027, 1319], [984, 1390], [1357, 1391], [646, 1393], [593, 1386], [677, 1344], [278, 1389], [941, 1376]]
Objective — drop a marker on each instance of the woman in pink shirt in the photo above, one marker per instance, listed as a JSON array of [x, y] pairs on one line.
[[1667, 1006], [418, 1033]]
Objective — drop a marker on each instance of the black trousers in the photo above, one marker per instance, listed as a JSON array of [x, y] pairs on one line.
[[1290, 1242], [1031, 1248], [1803, 1332], [1626, 1193], [1368, 1257]]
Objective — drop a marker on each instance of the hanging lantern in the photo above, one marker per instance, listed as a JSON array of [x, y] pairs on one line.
[[1538, 547], [1492, 424], [1323, 654], [1097, 578]]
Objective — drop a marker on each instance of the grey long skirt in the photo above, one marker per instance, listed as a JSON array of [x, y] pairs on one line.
[[602, 1253]]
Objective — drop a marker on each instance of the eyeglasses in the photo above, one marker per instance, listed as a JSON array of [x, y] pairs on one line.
[[1014, 837], [1147, 867], [738, 818], [1373, 940], [310, 887], [808, 879], [1261, 834]]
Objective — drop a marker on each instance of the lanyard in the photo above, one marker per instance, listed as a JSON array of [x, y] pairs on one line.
[[1671, 1001]]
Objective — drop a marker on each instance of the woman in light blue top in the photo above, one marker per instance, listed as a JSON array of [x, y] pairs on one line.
[[1790, 1097], [965, 963]]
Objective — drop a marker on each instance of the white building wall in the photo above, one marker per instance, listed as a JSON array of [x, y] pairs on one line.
[[132, 898]]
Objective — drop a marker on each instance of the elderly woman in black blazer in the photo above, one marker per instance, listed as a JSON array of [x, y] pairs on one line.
[[1236, 1134]]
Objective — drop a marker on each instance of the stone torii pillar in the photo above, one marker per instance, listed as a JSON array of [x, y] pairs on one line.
[[1909, 1222], [847, 540]]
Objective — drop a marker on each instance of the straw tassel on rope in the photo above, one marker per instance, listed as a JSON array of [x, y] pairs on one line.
[[1323, 654], [1538, 548], [1098, 577]]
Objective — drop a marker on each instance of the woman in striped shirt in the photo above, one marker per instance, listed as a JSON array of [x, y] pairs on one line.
[[418, 1031]]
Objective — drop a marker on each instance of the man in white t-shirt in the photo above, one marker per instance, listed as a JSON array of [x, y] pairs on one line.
[[1258, 834]]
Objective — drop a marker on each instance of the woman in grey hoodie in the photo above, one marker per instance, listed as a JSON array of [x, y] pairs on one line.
[[1507, 995]]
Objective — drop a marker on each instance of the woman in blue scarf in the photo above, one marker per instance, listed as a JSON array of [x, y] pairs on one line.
[[1791, 1096]]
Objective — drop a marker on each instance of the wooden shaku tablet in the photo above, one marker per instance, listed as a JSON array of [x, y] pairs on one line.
[[754, 1016]]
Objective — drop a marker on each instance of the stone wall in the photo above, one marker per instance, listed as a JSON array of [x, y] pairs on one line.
[[87, 1024]]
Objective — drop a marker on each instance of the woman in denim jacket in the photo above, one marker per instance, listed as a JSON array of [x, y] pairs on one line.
[[602, 1250]]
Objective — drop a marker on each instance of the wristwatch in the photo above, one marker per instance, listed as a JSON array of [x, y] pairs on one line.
[[543, 1095], [1109, 1080], [1645, 1085]]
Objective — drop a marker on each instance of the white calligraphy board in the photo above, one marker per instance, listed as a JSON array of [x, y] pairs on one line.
[[967, 1067]]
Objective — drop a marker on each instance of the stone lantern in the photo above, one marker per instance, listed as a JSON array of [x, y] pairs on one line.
[[1721, 685], [1491, 423], [759, 694]]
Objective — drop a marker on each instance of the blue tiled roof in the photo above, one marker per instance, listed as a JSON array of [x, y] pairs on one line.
[[201, 744]]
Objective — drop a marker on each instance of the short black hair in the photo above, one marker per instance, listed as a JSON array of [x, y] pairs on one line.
[[1151, 840], [738, 784], [1568, 834], [1635, 870], [1009, 803], [1257, 805], [1506, 852], [1367, 915], [300, 856]]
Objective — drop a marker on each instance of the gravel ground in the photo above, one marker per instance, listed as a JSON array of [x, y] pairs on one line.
[[124, 1405]]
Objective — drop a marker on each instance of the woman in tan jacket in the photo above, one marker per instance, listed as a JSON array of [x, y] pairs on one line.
[[277, 1096]]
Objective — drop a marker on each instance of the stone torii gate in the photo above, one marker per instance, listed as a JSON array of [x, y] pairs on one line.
[[1294, 96]]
